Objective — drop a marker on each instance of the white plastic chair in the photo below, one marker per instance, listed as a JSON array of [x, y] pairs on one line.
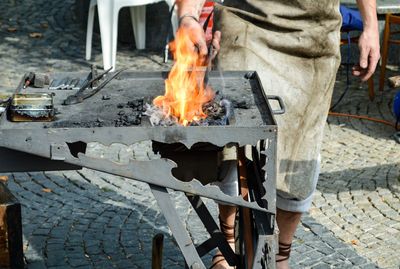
[[108, 11]]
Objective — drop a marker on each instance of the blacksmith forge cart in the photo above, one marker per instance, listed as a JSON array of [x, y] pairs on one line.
[[61, 143]]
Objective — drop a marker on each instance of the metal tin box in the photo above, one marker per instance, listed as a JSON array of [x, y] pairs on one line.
[[31, 107]]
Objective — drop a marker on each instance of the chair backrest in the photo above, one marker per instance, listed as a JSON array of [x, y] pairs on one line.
[[396, 105]]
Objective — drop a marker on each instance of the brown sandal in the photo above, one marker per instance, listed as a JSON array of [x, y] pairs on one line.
[[284, 251], [229, 233], [217, 259]]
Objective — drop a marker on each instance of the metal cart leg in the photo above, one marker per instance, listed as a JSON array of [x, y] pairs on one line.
[[217, 238], [181, 236]]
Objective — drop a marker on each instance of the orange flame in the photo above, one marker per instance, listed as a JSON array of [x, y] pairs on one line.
[[184, 89]]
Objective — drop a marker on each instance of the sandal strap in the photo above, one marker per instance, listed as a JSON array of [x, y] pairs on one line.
[[229, 234], [218, 255], [226, 225], [228, 231], [284, 245], [284, 251]]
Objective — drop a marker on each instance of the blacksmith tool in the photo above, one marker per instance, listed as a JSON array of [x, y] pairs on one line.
[[65, 84], [83, 93], [58, 84], [94, 73], [41, 80], [208, 66], [29, 79], [74, 84], [35, 80], [54, 85], [210, 52]]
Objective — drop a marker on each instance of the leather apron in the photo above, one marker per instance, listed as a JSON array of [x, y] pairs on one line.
[[294, 47]]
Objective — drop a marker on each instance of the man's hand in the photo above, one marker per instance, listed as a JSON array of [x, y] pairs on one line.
[[369, 54], [369, 41], [198, 38]]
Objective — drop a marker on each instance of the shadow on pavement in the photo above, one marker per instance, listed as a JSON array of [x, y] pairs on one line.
[[73, 219]]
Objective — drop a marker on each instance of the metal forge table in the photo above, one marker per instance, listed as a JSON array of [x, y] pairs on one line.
[[60, 145]]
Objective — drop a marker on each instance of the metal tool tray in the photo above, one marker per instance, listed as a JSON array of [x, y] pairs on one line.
[[236, 86], [44, 146], [251, 125]]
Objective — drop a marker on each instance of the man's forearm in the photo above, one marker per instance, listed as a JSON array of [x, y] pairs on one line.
[[189, 7], [368, 42], [368, 12]]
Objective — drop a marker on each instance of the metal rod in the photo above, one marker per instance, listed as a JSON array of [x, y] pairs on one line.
[[157, 251], [246, 213], [181, 236]]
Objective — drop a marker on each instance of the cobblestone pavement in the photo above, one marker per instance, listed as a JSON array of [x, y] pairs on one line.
[[94, 220]]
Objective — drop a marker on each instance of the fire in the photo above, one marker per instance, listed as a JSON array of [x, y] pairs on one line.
[[185, 93]]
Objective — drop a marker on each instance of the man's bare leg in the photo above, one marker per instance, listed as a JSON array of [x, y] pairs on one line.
[[227, 215], [287, 224]]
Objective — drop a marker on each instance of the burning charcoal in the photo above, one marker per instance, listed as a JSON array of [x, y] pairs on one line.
[[118, 123], [128, 118], [157, 117], [105, 97], [136, 105], [214, 110], [131, 119], [240, 104], [98, 124], [218, 113], [99, 120], [120, 105]]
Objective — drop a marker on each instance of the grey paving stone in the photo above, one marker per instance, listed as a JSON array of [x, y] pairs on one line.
[[50, 247], [36, 265], [358, 187], [321, 266]]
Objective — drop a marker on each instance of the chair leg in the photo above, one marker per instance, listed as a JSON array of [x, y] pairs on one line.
[[371, 92], [174, 21], [105, 11], [138, 17], [89, 31], [114, 44], [385, 46], [174, 18]]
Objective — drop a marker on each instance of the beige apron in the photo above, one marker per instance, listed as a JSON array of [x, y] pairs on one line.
[[294, 47]]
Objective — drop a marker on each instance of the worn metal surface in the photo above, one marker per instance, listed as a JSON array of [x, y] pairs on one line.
[[243, 90], [64, 141], [253, 122], [17, 161]]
